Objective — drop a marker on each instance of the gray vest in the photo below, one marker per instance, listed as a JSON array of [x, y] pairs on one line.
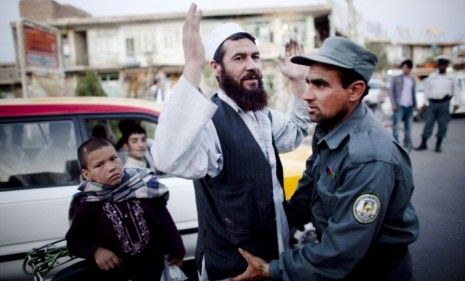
[[236, 208]]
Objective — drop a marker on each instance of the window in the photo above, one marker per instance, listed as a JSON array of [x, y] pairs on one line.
[[407, 51], [114, 130], [263, 32], [109, 76], [293, 29], [38, 154], [130, 51], [65, 46]]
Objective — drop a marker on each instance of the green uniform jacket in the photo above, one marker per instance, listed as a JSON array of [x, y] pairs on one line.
[[356, 190]]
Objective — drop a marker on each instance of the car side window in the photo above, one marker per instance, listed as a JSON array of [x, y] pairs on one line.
[[38, 154], [113, 129]]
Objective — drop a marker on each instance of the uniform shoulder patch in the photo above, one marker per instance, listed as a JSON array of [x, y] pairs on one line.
[[366, 208]]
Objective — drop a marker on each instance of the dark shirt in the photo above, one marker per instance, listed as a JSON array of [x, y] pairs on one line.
[[133, 229]]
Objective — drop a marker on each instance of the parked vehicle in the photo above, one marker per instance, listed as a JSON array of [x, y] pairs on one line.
[[39, 170], [376, 94], [460, 97]]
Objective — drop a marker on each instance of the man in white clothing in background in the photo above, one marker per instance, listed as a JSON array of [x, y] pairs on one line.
[[440, 87]]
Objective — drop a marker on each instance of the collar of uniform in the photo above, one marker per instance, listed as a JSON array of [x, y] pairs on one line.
[[334, 138]]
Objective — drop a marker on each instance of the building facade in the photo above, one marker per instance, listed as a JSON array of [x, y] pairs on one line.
[[134, 54], [129, 53]]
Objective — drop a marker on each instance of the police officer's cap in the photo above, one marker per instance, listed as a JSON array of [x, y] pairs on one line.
[[342, 52]]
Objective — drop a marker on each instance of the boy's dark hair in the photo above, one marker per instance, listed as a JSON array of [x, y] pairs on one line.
[[408, 63], [219, 53], [133, 129], [88, 146]]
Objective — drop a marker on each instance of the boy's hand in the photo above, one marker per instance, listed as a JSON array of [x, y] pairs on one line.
[[175, 261], [106, 259]]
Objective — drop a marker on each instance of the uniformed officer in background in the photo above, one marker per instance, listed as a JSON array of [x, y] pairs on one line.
[[357, 185], [440, 87]]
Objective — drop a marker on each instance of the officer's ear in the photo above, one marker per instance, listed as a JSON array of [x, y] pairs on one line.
[[356, 90]]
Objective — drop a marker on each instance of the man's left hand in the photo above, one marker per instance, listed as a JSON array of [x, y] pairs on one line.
[[289, 69], [455, 108], [294, 72], [257, 269]]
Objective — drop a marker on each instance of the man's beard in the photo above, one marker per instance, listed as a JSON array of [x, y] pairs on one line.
[[247, 100]]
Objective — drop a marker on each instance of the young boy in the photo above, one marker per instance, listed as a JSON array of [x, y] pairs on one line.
[[119, 219], [135, 142]]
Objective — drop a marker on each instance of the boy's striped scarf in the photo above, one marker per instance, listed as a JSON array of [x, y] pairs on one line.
[[136, 183]]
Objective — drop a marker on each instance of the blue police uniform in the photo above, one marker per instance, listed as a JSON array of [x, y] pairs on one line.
[[356, 190]]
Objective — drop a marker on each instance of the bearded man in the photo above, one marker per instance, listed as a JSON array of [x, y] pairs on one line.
[[229, 145]]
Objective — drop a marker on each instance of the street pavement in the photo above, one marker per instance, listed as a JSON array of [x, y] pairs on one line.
[[439, 199]]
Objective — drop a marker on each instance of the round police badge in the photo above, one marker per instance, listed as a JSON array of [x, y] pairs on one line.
[[366, 208]]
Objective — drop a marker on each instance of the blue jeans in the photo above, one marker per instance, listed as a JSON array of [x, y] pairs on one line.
[[404, 114]]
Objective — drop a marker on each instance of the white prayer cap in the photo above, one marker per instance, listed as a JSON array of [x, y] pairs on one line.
[[218, 35]]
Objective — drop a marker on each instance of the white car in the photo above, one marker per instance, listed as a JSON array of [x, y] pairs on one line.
[[459, 99], [39, 172], [376, 94]]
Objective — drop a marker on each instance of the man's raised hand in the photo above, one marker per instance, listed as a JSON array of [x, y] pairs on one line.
[[289, 69], [194, 52], [294, 72]]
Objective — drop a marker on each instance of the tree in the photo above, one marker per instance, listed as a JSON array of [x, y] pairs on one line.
[[89, 85]]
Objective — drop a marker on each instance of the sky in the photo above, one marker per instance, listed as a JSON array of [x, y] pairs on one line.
[[445, 17]]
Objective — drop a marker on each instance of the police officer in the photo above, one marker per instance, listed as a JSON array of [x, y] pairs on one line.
[[440, 87], [357, 185]]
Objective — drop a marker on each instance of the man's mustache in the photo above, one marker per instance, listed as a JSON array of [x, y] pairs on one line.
[[251, 75]]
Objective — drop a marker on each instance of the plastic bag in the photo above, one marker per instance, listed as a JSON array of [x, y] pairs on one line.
[[308, 235], [172, 273]]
